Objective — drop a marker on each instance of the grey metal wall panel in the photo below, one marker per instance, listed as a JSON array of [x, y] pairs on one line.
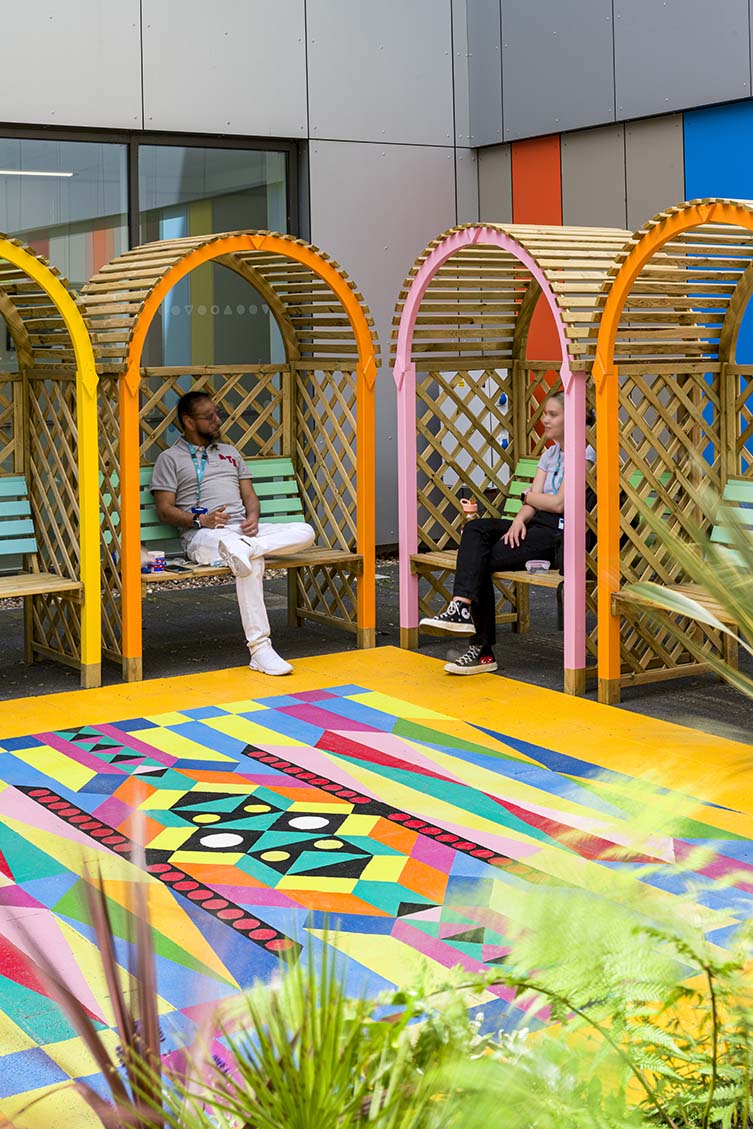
[[88, 56], [225, 67], [655, 167], [557, 65], [466, 185], [374, 208], [485, 71], [460, 71], [380, 72], [677, 54], [495, 184], [593, 177]]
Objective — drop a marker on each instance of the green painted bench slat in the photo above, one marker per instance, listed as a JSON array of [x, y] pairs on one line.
[[273, 479], [723, 532], [523, 476]]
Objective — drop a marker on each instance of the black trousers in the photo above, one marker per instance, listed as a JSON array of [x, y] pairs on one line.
[[482, 552]]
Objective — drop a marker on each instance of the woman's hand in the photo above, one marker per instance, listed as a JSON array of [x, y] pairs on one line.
[[516, 533]]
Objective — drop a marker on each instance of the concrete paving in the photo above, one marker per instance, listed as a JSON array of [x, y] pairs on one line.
[[199, 629]]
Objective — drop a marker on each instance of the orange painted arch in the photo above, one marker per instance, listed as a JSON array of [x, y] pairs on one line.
[[129, 420], [659, 231]]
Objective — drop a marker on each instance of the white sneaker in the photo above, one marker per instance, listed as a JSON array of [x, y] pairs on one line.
[[267, 661], [236, 564]]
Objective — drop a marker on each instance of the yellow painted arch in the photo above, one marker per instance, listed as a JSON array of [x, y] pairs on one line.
[[86, 417], [605, 372], [129, 419]]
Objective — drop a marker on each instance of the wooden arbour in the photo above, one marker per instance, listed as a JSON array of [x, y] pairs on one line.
[[48, 435], [317, 407], [460, 335], [674, 415]]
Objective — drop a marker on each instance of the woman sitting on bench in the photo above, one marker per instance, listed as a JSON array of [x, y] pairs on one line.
[[492, 544]]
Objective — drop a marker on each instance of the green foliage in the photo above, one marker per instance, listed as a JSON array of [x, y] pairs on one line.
[[724, 573]]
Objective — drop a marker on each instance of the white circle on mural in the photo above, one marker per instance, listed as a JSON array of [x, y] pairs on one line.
[[309, 822], [175, 310], [253, 310], [220, 840], [215, 310], [240, 309]]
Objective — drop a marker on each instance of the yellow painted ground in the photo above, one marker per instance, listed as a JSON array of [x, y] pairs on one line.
[[699, 764]]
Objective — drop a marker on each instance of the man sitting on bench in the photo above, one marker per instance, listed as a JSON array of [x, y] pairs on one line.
[[203, 487]]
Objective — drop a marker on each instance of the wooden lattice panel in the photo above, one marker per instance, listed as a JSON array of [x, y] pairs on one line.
[[250, 398], [327, 594], [465, 447], [109, 470], [325, 454], [11, 423], [741, 377], [52, 475], [671, 452]]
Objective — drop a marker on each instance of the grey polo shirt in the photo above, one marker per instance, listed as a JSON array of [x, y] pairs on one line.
[[175, 471]]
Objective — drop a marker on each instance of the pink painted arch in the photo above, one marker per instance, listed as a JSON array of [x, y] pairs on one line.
[[574, 383]]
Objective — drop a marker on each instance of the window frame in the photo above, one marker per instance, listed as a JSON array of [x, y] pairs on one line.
[[134, 139]]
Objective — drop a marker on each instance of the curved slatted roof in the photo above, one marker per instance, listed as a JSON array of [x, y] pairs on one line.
[[34, 322], [312, 318], [479, 301], [690, 282]]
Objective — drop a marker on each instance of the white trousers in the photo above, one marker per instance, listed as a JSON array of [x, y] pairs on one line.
[[271, 540]]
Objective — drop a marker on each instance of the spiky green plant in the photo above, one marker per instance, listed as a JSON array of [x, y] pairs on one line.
[[141, 1095]]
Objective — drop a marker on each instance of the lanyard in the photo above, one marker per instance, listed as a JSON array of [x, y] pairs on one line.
[[555, 483], [200, 465]]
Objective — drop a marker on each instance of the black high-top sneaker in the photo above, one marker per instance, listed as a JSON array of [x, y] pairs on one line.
[[476, 660], [456, 619]]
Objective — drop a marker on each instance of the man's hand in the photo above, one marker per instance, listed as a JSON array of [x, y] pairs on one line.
[[516, 533], [250, 526], [215, 519]]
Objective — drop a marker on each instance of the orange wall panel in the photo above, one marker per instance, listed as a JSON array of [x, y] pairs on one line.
[[537, 198]]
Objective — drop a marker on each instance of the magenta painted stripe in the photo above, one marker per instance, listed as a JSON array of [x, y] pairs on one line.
[[574, 556], [407, 491]]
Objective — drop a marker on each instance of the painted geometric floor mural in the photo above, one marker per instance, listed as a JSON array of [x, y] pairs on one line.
[[397, 827]]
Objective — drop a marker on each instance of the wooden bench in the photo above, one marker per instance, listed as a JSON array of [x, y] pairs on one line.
[[445, 560], [277, 488], [735, 509], [18, 539]]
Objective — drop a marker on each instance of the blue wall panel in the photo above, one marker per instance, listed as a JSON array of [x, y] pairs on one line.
[[719, 162]]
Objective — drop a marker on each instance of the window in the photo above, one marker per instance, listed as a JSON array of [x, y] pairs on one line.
[[213, 316], [68, 200]]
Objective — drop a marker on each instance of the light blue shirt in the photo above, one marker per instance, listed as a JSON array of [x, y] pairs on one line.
[[552, 462]]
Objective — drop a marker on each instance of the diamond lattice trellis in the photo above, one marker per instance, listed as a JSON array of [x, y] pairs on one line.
[[471, 433], [671, 450], [52, 475]]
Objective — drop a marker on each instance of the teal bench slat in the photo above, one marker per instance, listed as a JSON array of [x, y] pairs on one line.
[[17, 534], [13, 486]]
